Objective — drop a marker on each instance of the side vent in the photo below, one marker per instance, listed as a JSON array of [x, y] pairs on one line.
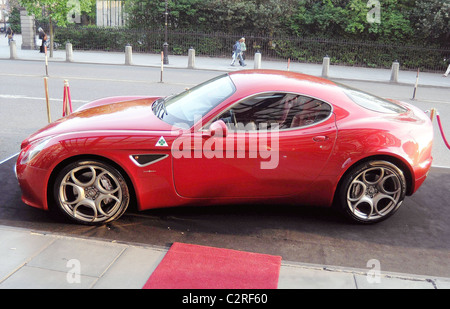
[[147, 159]]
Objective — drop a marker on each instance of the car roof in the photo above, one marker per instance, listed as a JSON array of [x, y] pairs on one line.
[[256, 81], [269, 73]]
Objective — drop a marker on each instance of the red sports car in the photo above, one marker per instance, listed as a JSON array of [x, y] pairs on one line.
[[247, 136]]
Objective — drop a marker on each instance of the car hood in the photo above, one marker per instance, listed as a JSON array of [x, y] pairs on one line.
[[134, 115]]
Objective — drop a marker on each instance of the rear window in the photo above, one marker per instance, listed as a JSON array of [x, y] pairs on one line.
[[372, 102]]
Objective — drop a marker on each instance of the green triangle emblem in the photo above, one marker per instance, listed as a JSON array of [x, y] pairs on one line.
[[161, 142]]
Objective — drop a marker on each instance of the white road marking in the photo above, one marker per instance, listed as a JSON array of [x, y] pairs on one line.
[[25, 97], [9, 158]]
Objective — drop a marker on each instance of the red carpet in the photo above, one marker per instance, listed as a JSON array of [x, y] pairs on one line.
[[198, 267]]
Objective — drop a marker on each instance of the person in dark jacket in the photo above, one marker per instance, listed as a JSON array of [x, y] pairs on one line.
[[43, 38], [237, 52], [10, 35]]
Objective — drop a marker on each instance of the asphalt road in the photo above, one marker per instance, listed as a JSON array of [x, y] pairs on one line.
[[414, 240]]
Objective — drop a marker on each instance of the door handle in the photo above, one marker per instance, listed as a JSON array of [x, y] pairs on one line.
[[320, 138]]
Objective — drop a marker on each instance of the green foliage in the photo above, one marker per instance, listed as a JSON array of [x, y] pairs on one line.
[[400, 21], [348, 19], [231, 16], [56, 9], [432, 19], [365, 54], [115, 39], [14, 20]]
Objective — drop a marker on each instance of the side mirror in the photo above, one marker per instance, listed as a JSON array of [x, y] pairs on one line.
[[218, 129]]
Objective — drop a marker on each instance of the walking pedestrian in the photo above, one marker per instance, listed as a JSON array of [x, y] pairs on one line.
[[243, 49], [10, 35], [447, 60], [43, 38], [237, 52]]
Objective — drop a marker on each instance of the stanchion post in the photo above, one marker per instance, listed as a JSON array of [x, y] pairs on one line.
[[416, 85], [191, 58], [162, 66], [288, 63], [69, 52], [325, 66], [128, 55], [47, 99], [394, 71], [432, 113], [12, 50], [257, 61], [67, 101], [166, 53], [46, 61]]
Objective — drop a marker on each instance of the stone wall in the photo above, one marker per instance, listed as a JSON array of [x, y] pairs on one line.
[[28, 30]]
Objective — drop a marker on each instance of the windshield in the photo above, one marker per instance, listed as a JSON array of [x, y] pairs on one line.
[[372, 102], [188, 106]]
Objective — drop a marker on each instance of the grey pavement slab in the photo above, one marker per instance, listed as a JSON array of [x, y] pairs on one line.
[[132, 269], [33, 260], [442, 283], [306, 276], [17, 248], [294, 277], [29, 277], [389, 282], [94, 258]]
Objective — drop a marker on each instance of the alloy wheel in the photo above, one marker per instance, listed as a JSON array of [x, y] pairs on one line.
[[375, 191], [92, 192]]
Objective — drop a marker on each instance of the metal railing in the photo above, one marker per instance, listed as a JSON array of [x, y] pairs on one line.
[[216, 44]]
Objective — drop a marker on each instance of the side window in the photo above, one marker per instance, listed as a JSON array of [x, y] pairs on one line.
[[287, 110]]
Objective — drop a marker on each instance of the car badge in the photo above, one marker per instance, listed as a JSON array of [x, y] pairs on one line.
[[161, 142]]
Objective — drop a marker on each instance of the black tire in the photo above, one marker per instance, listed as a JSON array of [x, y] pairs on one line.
[[372, 191], [91, 192]]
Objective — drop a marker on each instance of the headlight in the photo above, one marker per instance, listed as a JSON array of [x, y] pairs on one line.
[[33, 150]]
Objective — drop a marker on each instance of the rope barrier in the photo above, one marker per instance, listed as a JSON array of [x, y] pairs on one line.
[[438, 119]]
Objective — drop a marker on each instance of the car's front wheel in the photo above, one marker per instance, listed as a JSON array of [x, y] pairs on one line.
[[91, 192], [372, 191]]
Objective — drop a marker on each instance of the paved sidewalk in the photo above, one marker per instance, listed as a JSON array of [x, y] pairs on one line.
[[223, 64], [32, 259], [35, 260]]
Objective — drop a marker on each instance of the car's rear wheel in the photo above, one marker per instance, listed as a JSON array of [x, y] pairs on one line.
[[91, 192], [372, 191]]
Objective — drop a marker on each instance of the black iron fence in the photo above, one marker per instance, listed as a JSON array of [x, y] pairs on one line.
[[215, 44]]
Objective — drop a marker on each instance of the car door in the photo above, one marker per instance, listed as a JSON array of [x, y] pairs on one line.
[[276, 144]]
